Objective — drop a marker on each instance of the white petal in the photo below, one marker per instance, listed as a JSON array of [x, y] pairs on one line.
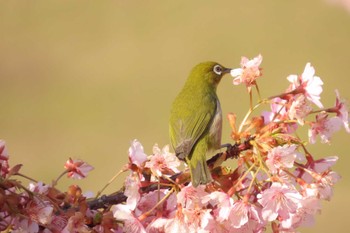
[[292, 78], [236, 72]]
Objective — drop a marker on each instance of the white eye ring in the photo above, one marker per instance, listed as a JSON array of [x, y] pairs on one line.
[[217, 69]]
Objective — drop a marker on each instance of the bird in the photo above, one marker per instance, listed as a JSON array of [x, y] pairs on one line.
[[195, 124]]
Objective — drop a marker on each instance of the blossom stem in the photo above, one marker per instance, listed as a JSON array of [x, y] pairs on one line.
[[244, 175], [247, 115], [250, 100], [284, 95], [262, 164], [314, 175], [20, 186], [158, 208], [323, 110], [253, 179], [265, 169], [170, 180], [278, 112], [26, 177], [258, 91], [290, 174], [309, 157], [54, 183], [124, 169]]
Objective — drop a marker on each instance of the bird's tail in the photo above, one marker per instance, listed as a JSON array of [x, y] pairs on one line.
[[200, 173]]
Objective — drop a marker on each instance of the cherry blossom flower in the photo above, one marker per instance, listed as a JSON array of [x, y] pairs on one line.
[[4, 165], [177, 224], [151, 199], [223, 203], [76, 223], [325, 184], [317, 166], [194, 213], [77, 169], [156, 226], [131, 223], [190, 197], [249, 227], [40, 211], [167, 209], [198, 219], [26, 226], [132, 185], [324, 127], [282, 157], [58, 223], [122, 212], [126, 212], [279, 200], [304, 215], [163, 162], [137, 155], [323, 165], [278, 111], [308, 84], [299, 109], [248, 73], [242, 212], [341, 110], [39, 187]]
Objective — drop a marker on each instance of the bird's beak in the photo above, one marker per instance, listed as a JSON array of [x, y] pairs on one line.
[[226, 71]]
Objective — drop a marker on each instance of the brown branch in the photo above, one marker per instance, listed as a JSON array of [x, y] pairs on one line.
[[106, 201], [232, 152]]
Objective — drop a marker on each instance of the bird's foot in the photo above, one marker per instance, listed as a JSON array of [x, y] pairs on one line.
[[228, 146]]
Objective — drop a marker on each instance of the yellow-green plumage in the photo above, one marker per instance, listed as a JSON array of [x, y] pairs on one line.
[[196, 121]]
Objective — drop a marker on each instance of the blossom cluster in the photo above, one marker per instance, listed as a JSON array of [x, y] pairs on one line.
[[41, 207], [277, 183]]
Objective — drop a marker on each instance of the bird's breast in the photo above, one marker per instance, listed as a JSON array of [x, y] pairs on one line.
[[215, 130]]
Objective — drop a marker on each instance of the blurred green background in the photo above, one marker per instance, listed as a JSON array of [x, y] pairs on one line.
[[82, 79]]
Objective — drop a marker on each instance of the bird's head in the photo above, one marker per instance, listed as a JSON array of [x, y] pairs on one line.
[[209, 73]]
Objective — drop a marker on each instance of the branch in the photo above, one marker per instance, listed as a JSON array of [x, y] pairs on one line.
[[232, 152], [105, 201]]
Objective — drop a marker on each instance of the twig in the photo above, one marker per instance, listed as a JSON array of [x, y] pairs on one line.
[[106, 201]]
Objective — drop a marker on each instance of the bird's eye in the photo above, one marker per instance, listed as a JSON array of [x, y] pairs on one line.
[[217, 69]]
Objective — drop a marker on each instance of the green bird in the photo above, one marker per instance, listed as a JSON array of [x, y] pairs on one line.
[[195, 124]]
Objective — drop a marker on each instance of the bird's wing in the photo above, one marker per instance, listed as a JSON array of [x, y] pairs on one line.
[[187, 129]]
